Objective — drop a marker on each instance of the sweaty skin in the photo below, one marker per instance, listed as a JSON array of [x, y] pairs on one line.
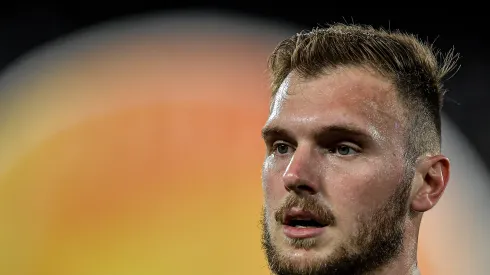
[[340, 139]]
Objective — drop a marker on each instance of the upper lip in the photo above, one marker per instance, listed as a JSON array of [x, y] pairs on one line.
[[301, 214]]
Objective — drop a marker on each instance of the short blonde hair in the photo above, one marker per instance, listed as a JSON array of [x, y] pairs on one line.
[[416, 69]]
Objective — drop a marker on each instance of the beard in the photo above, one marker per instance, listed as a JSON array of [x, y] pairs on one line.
[[378, 240]]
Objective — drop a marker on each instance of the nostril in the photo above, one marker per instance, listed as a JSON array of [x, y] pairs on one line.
[[301, 188]]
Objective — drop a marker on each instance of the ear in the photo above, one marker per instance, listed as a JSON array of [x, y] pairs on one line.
[[433, 174]]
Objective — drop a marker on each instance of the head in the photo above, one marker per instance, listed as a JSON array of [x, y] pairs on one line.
[[353, 144]]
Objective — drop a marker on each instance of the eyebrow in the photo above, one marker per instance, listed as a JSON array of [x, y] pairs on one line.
[[270, 132], [342, 130], [322, 133]]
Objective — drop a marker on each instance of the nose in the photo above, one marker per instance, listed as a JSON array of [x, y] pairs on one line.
[[301, 173]]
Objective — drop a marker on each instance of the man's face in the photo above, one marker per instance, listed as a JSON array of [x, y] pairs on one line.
[[336, 192]]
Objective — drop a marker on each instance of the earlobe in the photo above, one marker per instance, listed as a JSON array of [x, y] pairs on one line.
[[434, 175]]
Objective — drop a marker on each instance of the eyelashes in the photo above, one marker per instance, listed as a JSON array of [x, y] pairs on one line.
[[342, 149]]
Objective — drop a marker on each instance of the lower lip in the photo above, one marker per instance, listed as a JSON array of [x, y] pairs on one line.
[[302, 232]]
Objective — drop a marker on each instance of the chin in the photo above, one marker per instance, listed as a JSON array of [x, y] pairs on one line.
[[300, 254], [306, 250], [302, 258]]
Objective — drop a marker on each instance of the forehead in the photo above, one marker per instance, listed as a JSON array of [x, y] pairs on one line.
[[352, 96]]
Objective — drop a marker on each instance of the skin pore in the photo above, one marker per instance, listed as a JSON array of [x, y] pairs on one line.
[[335, 148]]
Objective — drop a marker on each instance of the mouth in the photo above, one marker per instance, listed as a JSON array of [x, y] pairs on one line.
[[300, 224]]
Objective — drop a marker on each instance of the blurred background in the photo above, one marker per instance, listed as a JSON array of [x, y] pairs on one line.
[[130, 135]]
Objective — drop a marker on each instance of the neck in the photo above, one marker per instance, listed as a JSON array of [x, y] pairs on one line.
[[399, 268], [406, 262]]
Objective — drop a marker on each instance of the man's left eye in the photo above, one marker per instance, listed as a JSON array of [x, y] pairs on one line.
[[344, 150]]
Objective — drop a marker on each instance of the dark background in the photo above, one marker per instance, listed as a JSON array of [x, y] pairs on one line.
[[23, 28]]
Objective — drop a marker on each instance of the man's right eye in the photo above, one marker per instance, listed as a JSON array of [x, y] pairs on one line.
[[281, 148]]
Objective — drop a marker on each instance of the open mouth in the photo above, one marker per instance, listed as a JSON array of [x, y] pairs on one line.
[[302, 218], [303, 224]]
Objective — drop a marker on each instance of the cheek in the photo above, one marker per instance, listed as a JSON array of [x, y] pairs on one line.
[[272, 184], [359, 193]]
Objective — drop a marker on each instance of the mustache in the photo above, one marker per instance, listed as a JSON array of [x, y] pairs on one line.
[[306, 203]]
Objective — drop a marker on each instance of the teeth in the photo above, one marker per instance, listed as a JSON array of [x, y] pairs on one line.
[[304, 223]]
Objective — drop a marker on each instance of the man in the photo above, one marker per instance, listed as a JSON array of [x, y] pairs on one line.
[[353, 150]]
